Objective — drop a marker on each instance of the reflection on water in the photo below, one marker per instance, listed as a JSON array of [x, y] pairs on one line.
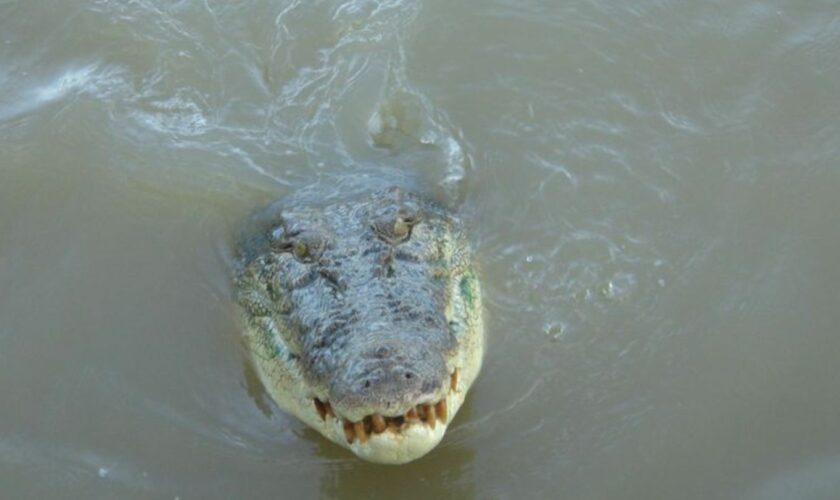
[[651, 190]]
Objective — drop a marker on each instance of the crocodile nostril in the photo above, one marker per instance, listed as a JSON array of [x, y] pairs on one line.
[[367, 384], [408, 375]]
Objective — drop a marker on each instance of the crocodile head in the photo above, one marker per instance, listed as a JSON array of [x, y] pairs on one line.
[[364, 320]]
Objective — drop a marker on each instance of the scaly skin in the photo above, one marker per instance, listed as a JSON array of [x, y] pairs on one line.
[[364, 320]]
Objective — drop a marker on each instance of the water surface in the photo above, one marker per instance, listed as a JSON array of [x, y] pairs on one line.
[[652, 191]]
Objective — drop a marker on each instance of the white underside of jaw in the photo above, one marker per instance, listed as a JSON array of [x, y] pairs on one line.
[[410, 443]]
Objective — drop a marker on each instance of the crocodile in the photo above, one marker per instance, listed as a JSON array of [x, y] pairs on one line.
[[363, 319]]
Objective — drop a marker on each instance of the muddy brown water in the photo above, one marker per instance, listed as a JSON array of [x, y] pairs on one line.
[[653, 192]]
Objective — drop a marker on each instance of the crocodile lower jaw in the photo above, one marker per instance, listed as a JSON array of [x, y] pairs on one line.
[[392, 440]]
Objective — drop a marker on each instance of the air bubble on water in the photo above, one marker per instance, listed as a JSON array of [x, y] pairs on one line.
[[554, 331], [584, 295], [621, 284], [103, 472], [376, 124], [428, 138]]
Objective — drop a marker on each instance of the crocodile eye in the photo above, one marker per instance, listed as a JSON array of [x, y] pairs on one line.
[[401, 227], [305, 246], [410, 214], [395, 227], [299, 250]]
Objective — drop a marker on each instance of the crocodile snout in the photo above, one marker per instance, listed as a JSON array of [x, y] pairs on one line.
[[388, 379]]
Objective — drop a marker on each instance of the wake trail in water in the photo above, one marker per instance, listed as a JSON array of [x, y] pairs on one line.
[[263, 96], [357, 99]]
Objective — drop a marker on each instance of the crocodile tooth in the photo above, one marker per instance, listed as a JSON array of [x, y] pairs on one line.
[[429, 415], [411, 414], [320, 408], [348, 431], [453, 380], [328, 408], [378, 423], [359, 427], [440, 409]]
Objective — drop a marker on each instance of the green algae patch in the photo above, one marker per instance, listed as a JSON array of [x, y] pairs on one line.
[[467, 288]]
